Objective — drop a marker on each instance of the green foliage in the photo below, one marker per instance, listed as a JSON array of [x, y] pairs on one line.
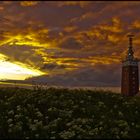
[[67, 114]]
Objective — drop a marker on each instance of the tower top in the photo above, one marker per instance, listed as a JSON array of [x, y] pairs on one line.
[[130, 60], [130, 48], [130, 35]]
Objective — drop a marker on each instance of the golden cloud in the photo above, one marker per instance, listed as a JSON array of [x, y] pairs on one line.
[[136, 24], [104, 59], [70, 28], [82, 4], [101, 40], [27, 37], [28, 3], [116, 26], [113, 38]]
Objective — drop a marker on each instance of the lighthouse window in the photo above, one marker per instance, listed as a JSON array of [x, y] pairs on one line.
[[133, 72]]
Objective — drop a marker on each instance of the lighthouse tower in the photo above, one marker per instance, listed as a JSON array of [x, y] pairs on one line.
[[130, 74]]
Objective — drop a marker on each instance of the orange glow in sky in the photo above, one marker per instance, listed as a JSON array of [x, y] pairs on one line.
[[66, 41], [13, 71]]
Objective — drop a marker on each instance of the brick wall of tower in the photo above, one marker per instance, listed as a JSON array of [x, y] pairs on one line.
[[130, 80]]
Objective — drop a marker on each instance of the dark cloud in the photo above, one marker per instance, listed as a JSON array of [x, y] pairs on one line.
[[52, 66], [75, 43], [24, 54], [71, 44], [90, 76]]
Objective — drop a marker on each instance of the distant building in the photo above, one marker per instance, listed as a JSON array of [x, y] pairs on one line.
[[130, 73]]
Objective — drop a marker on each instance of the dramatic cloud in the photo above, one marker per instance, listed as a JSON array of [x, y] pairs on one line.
[[29, 3], [85, 77], [72, 42]]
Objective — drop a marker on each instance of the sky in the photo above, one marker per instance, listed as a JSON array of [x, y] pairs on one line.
[[78, 43]]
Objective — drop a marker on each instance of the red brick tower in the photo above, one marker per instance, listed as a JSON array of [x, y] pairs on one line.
[[130, 74]]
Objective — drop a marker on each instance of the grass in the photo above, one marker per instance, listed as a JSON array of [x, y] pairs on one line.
[[67, 114]]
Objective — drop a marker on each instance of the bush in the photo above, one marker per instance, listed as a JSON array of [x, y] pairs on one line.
[[62, 113]]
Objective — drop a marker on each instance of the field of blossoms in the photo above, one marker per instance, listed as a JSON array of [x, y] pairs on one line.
[[62, 113]]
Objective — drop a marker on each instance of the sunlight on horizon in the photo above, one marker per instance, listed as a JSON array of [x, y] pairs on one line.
[[12, 71]]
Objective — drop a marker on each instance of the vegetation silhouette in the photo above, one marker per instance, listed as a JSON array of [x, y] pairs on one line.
[[63, 113]]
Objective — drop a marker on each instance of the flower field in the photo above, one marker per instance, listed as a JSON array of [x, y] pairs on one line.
[[62, 113]]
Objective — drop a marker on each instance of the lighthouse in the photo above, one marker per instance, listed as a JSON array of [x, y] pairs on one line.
[[130, 73]]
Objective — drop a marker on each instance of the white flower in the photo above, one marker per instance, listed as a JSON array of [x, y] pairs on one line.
[[59, 119], [75, 106], [101, 104], [10, 125], [20, 123], [36, 109], [120, 113], [69, 124], [36, 135], [133, 123], [35, 121], [27, 117], [33, 127], [17, 116], [53, 132], [67, 134], [11, 112], [18, 108], [82, 101], [94, 131], [125, 103], [39, 114], [100, 128], [101, 123], [39, 123], [50, 109], [9, 120]]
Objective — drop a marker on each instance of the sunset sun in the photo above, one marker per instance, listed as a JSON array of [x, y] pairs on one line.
[[9, 70]]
